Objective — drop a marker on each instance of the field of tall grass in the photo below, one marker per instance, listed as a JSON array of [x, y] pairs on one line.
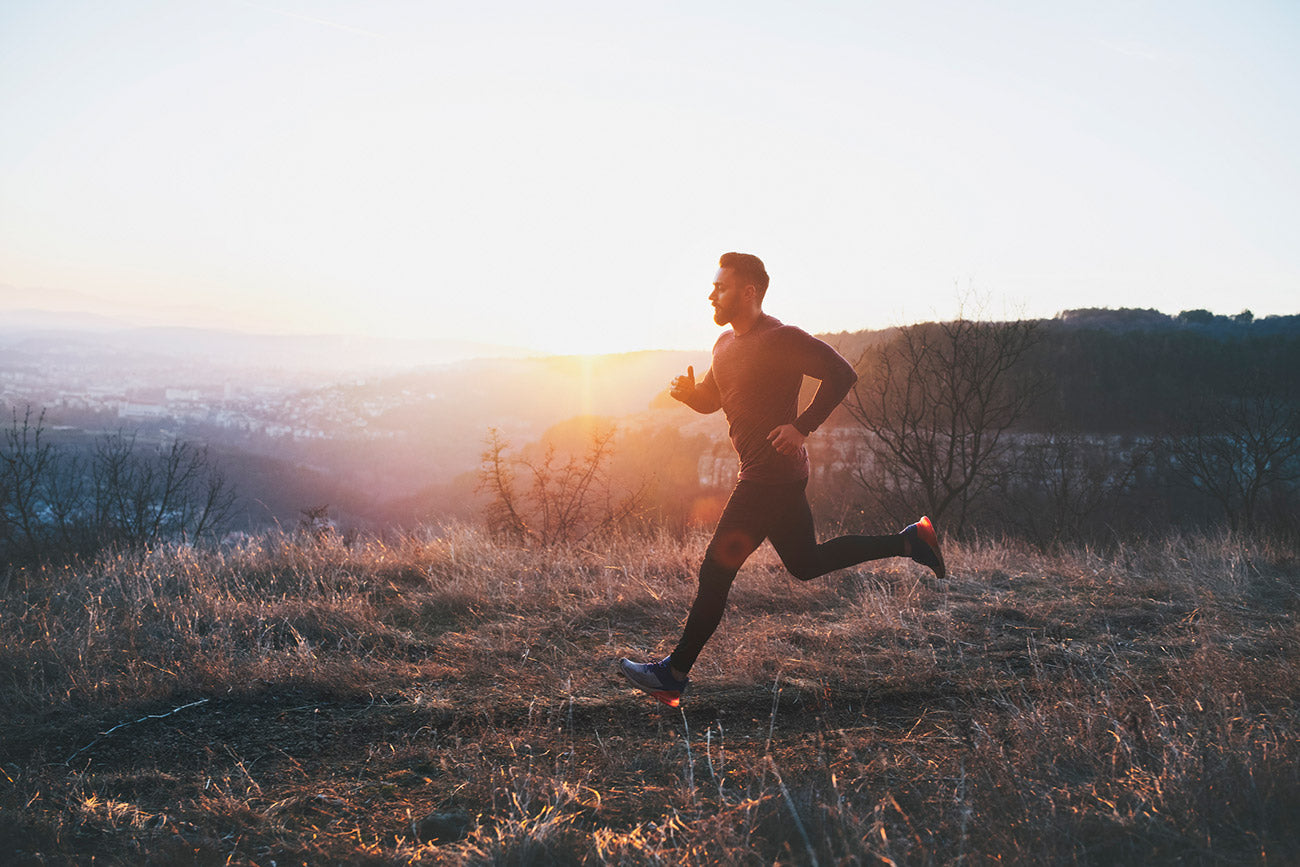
[[442, 698]]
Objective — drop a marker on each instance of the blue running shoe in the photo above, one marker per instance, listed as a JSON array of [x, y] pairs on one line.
[[655, 678], [924, 543]]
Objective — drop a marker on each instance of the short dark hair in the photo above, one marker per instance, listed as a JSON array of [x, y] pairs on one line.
[[749, 267]]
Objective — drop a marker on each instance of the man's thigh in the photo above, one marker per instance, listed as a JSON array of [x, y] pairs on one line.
[[741, 527], [791, 529]]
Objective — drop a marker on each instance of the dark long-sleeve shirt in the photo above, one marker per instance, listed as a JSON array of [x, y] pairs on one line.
[[755, 379]]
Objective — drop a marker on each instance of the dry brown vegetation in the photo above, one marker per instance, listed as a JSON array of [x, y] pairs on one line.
[[443, 698]]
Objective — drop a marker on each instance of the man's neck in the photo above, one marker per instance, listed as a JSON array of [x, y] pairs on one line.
[[741, 324]]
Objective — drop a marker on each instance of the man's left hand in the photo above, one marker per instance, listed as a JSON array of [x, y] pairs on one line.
[[786, 439]]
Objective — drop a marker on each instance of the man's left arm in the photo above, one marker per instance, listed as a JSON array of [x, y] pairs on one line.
[[834, 376]]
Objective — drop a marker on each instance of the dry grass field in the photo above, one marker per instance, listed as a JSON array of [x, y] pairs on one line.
[[444, 699]]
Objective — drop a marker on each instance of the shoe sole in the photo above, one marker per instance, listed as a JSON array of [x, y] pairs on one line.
[[925, 532], [670, 697]]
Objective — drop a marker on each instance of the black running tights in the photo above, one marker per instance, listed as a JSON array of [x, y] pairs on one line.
[[779, 513]]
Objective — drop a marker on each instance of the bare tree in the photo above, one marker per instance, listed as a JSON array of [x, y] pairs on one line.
[[1065, 485], [26, 459], [65, 489], [120, 496], [211, 503], [936, 403], [141, 498], [565, 498], [1235, 450], [63, 500]]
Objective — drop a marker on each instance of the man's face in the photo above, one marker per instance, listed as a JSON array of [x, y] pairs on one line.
[[728, 296]]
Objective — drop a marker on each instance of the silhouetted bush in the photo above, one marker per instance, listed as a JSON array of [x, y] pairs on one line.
[[59, 500]]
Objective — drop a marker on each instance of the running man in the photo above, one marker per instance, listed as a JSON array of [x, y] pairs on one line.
[[758, 367]]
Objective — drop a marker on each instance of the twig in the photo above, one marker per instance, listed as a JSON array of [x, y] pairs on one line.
[[103, 735], [789, 802], [708, 748], [690, 760], [239, 763], [771, 724]]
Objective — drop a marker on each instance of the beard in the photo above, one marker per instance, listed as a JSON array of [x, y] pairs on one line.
[[721, 316]]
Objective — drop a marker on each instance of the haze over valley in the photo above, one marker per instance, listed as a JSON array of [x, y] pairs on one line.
[[305, 421], [388, 436]]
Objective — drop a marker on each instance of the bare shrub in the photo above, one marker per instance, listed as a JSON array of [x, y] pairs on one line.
[[564, 496], [57, 501]]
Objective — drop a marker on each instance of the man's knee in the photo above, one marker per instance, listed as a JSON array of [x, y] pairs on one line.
[[729, 549], [801, 561], [804, 571], [715, 576]]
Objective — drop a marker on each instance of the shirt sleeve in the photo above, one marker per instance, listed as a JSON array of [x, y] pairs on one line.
[[835, 376], [707, 397]]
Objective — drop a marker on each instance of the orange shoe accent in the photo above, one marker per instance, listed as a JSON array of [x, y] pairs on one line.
[[925, 532], [670, 697]]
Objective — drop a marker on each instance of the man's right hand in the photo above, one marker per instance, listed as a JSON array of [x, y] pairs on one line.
[[683, 387]]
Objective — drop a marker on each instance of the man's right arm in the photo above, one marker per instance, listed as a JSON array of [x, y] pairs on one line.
[[700, 396]]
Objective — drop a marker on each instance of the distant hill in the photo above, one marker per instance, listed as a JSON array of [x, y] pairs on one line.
[[1203, 321], [41, 331]]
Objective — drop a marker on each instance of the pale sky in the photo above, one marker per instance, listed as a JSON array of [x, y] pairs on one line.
[[564, 175]]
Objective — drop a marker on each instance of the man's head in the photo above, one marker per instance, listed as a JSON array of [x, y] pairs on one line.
[[738, 290], [749, 268]]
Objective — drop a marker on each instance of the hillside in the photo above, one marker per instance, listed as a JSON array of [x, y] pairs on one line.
[[443, 699]]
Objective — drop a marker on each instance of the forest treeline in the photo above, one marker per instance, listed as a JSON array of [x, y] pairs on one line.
[[1132, 372], [1094, 425], [1136, 371]]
